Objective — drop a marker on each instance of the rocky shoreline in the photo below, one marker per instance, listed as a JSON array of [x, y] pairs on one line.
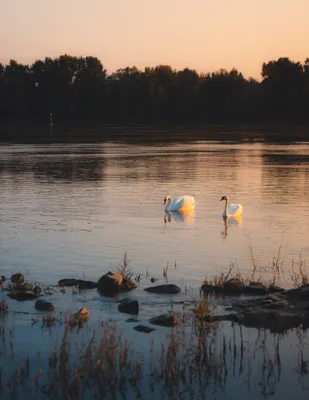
[[252, 305]]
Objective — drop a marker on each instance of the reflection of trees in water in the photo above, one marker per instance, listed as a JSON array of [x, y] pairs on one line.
[[154, 167], [60, 168], [285, 176], [170, 165], [183, 166]]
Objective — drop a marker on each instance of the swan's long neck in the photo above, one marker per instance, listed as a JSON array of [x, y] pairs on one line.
[[225, 212]]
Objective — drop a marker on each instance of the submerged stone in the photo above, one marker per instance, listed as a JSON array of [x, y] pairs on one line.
[[132, 320], [87, 285], [23, 295], [68, 282], [163, 289], [129, 306], [43, 305], [169, 319], [144, 329]]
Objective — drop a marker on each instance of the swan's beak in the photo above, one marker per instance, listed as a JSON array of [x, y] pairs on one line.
[[221, 199]]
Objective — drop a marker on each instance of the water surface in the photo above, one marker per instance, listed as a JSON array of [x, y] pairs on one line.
[[74, 209]]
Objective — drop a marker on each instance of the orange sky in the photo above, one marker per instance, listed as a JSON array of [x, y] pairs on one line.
[[202, 34]]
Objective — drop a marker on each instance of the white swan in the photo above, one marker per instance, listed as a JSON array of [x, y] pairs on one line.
[[179, 203], [231, 210]]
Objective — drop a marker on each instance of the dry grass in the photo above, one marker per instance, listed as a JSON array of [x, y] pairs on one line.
[[202, 309], [220, 279], [124, 269], [274, 270], [299, 273]]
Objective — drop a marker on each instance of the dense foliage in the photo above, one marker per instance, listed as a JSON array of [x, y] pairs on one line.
[[75, 88]]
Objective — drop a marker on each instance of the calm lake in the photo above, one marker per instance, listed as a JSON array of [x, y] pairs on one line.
[[74, 209], [71, 210]]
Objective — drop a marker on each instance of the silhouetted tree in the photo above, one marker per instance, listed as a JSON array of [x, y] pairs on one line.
[[283, 89], [79, 88]]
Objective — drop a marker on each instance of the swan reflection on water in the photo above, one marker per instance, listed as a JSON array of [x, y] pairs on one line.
[[230, 222], [186, 216]]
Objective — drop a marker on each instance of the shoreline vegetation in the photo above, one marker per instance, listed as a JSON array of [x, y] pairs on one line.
[[68, 90], [199, 353]]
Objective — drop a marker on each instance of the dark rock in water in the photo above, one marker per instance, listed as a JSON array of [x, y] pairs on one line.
[[276, 321], [21, 296], [68, 282], [153, 280], [275, 289], [169, 319], [206, 288], [37, 289], [111, 280], [145, 329], [278, 313], [87, 285], [276, 304], [27, 287], [17, 278], [233, 286], [114, 281], [132, 320], [255, 288], [113, 293], [301, 292], [129, 306], [163, 289], [2, 278], [44, 305]]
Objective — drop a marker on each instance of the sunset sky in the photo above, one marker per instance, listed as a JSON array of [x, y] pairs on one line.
[[201, 34]]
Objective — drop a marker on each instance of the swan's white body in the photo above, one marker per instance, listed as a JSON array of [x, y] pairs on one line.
[[186, 216], [231, 210], [179, 203]]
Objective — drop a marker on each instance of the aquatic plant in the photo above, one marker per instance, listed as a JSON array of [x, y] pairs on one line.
[[124, 269]]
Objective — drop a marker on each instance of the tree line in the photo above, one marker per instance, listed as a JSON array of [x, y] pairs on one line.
[[79, 88]]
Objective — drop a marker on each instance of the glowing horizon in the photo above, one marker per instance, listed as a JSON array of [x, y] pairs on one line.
[[204, 35]]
